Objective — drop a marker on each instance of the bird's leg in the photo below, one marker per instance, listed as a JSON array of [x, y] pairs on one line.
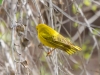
[[49, 53]]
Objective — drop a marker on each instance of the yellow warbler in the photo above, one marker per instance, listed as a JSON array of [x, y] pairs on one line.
[[51, 38]]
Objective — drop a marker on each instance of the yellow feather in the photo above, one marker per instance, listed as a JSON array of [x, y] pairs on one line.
[[51, 38]]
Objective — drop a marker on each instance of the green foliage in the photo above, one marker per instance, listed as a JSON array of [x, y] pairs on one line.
[[86, 49], [74, 9], [76, 66], [95, 31], [86, 55], [6, 36], [42, 57], [94, 8], [32, 23], [1, 2], [43, 71], [87, 2], [0, 35], [4, 33], [2, 23], [75, 24], [17, 15]]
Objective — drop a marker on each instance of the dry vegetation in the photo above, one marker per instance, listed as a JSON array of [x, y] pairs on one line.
[[20, 50]]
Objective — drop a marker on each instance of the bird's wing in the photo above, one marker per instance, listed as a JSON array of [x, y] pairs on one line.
[[55, 41], [67, 42], [61, 43]]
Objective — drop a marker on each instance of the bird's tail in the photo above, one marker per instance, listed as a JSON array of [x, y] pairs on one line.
[[73, 50]]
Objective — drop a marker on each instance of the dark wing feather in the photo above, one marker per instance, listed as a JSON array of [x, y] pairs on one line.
[[61, 43]]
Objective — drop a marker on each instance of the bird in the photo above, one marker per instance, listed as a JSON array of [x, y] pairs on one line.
[[51, 38]]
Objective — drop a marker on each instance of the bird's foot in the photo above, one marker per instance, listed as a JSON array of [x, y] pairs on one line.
[[49, 53]]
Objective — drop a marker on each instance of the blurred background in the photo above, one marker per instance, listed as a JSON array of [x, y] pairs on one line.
[[21, 52]]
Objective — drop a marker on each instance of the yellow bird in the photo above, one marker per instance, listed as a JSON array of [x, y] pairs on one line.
[[51, 38]]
